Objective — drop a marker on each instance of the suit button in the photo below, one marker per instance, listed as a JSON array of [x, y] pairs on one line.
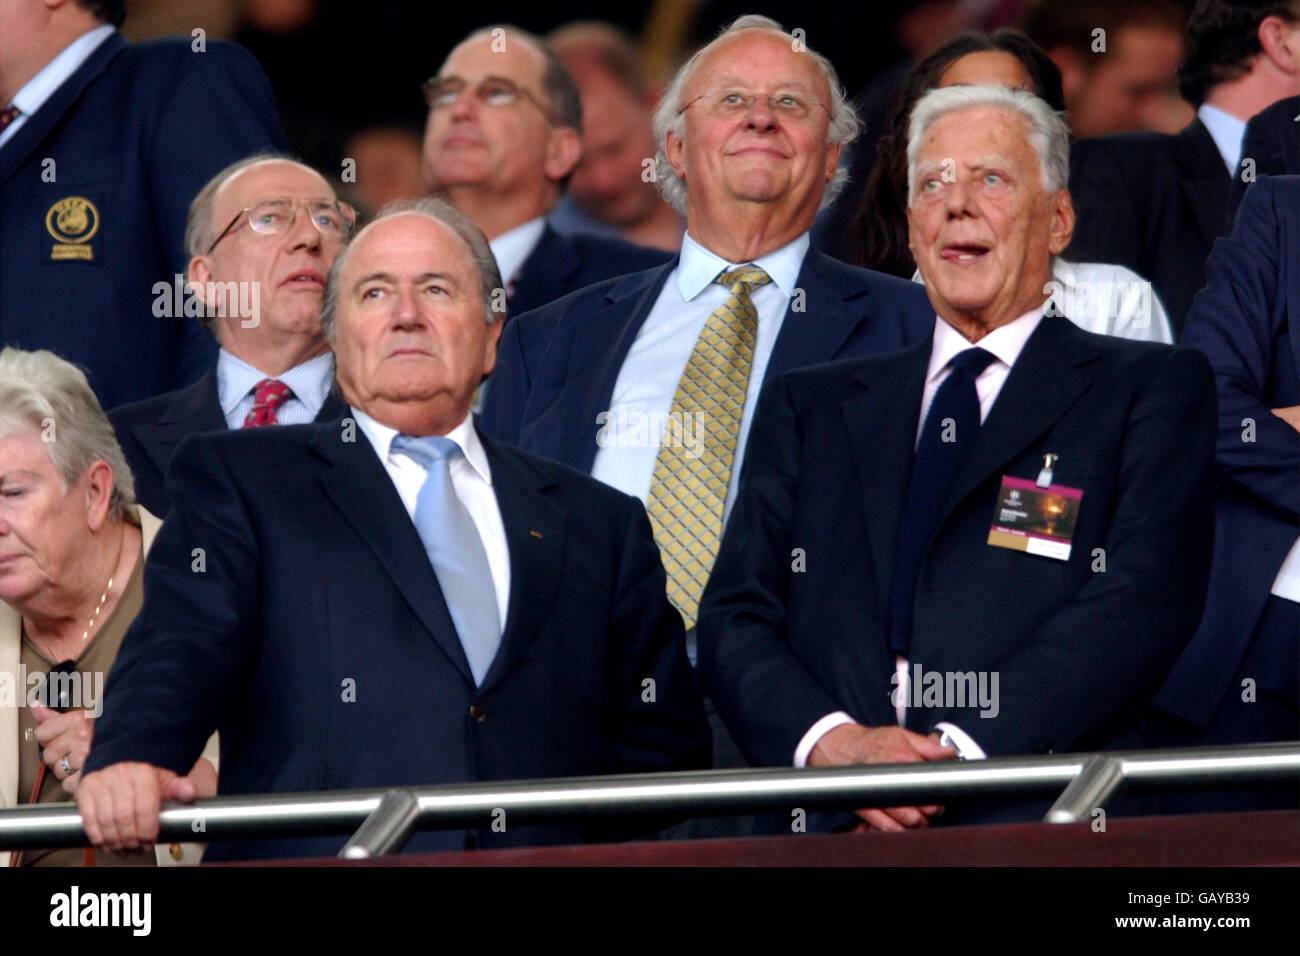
[[175, 851], [477, 712]]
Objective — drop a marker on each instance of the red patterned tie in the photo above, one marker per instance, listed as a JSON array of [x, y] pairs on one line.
[[268, 396], [7, 116]]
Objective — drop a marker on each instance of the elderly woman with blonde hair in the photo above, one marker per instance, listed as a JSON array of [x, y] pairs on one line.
[[72, 547]]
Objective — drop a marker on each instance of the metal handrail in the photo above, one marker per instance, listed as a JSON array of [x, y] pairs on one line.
[[695, 793]]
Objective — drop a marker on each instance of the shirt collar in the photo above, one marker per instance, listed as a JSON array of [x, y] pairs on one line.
[[698, 267], [513, 248], [1005, 342], [1226, 131], [310, 381], [465, 435], [54, 74]]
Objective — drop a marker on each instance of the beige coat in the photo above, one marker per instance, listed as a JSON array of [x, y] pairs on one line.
[[10, 652]]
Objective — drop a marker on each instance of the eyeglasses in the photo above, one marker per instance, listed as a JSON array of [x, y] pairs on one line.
[[494, 91], [269, 217], [731, 104]]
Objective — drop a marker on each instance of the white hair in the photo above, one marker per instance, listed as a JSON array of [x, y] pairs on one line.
[[42, 392], [668, 116], [1045, 128]]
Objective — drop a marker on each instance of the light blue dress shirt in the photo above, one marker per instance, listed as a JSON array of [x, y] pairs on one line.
[[1227, 132], [310, 383], [643, 392]]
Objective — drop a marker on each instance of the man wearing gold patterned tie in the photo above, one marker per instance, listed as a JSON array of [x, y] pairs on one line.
[[261, 236], [648, 382]]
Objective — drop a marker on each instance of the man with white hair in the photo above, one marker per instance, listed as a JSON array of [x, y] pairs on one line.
[[1001, 536]]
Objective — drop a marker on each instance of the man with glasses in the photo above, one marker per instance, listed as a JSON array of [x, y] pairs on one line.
[[648, 382], [261, 236], [503, 135]]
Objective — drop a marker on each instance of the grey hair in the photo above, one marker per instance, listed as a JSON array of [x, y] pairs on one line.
[[42, 392], [668, 117], [439, 210], [1045, 130], [200, 230]]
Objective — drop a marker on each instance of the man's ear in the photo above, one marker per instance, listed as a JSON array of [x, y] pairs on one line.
[[563, 150], [1275, 41], [490, 346], [199, 275], [674, 152], [99, 492], [832, 158], [1062, 222]]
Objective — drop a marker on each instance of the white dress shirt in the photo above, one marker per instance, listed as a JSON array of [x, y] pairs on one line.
[[643, 391], [513, 248], [1227, 132], [1006, 342], [470, 477], [33, 94], [310, 383]]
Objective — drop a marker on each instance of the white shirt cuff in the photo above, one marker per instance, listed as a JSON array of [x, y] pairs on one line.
[[816, 732], [967, 748]]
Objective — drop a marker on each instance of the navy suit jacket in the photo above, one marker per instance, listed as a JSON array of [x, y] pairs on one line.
[[1244, 322], [560, 264], [1076, 650], [1152, 202], [135, 132], [1272, 140], [150, 429], [315, 637], [556, 367]]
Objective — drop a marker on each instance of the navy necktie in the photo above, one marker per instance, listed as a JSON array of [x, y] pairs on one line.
[[456, 551], [946, 439]]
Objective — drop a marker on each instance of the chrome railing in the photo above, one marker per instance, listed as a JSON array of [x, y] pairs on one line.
[[382, 820]]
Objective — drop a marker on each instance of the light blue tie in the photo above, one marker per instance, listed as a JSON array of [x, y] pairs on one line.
[[456, 551]]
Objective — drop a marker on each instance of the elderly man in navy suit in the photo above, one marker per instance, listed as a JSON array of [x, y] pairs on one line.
[[261, 235], [992, 543], [102, 146], [479, 613], [504, 134], [649, 382]]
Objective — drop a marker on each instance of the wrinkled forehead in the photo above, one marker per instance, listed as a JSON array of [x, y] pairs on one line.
[[975, 130], [404, 245], [757, 59], [269, 179]]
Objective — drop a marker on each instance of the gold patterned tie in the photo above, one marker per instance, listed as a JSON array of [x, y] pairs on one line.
[[689, 484]]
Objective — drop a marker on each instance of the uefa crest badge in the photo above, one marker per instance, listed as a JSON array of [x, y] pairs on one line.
[[72, 222]]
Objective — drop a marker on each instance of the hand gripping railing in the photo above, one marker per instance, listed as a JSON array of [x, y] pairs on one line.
[[387, 818]]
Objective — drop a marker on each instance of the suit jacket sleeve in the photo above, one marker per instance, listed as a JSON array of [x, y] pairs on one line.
[[220, 109], [507, 387], [654, 719], [181, 660], [766, 696], [1233, 321], [1106, 226], [1123, 628]]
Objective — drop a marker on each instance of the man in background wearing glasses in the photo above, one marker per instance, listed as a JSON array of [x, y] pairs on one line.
[[503, 136], [648, 382], [261, 236]]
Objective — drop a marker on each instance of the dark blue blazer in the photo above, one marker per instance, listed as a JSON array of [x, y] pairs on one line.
[[1077, 649], [560, 264], [1244, 322], [316, 640], [136, 131], [1272, 140], [556, 367], [150, 429], [1153, 202]]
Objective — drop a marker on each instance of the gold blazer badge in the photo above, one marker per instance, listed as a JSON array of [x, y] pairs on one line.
[[72, 222]]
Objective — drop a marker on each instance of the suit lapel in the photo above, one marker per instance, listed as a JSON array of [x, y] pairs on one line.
[[816, 333], [599, 347], [1045, 381], [1204, 180], [545, 273], [355, 479], [37, 126], [881, 422], [534, 524], [195, 409], [332, 409]]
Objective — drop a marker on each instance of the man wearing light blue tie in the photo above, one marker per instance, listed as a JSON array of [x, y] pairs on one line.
[[394, 599]]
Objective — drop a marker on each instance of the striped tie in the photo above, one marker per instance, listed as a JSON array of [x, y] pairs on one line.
[[688, 486]]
